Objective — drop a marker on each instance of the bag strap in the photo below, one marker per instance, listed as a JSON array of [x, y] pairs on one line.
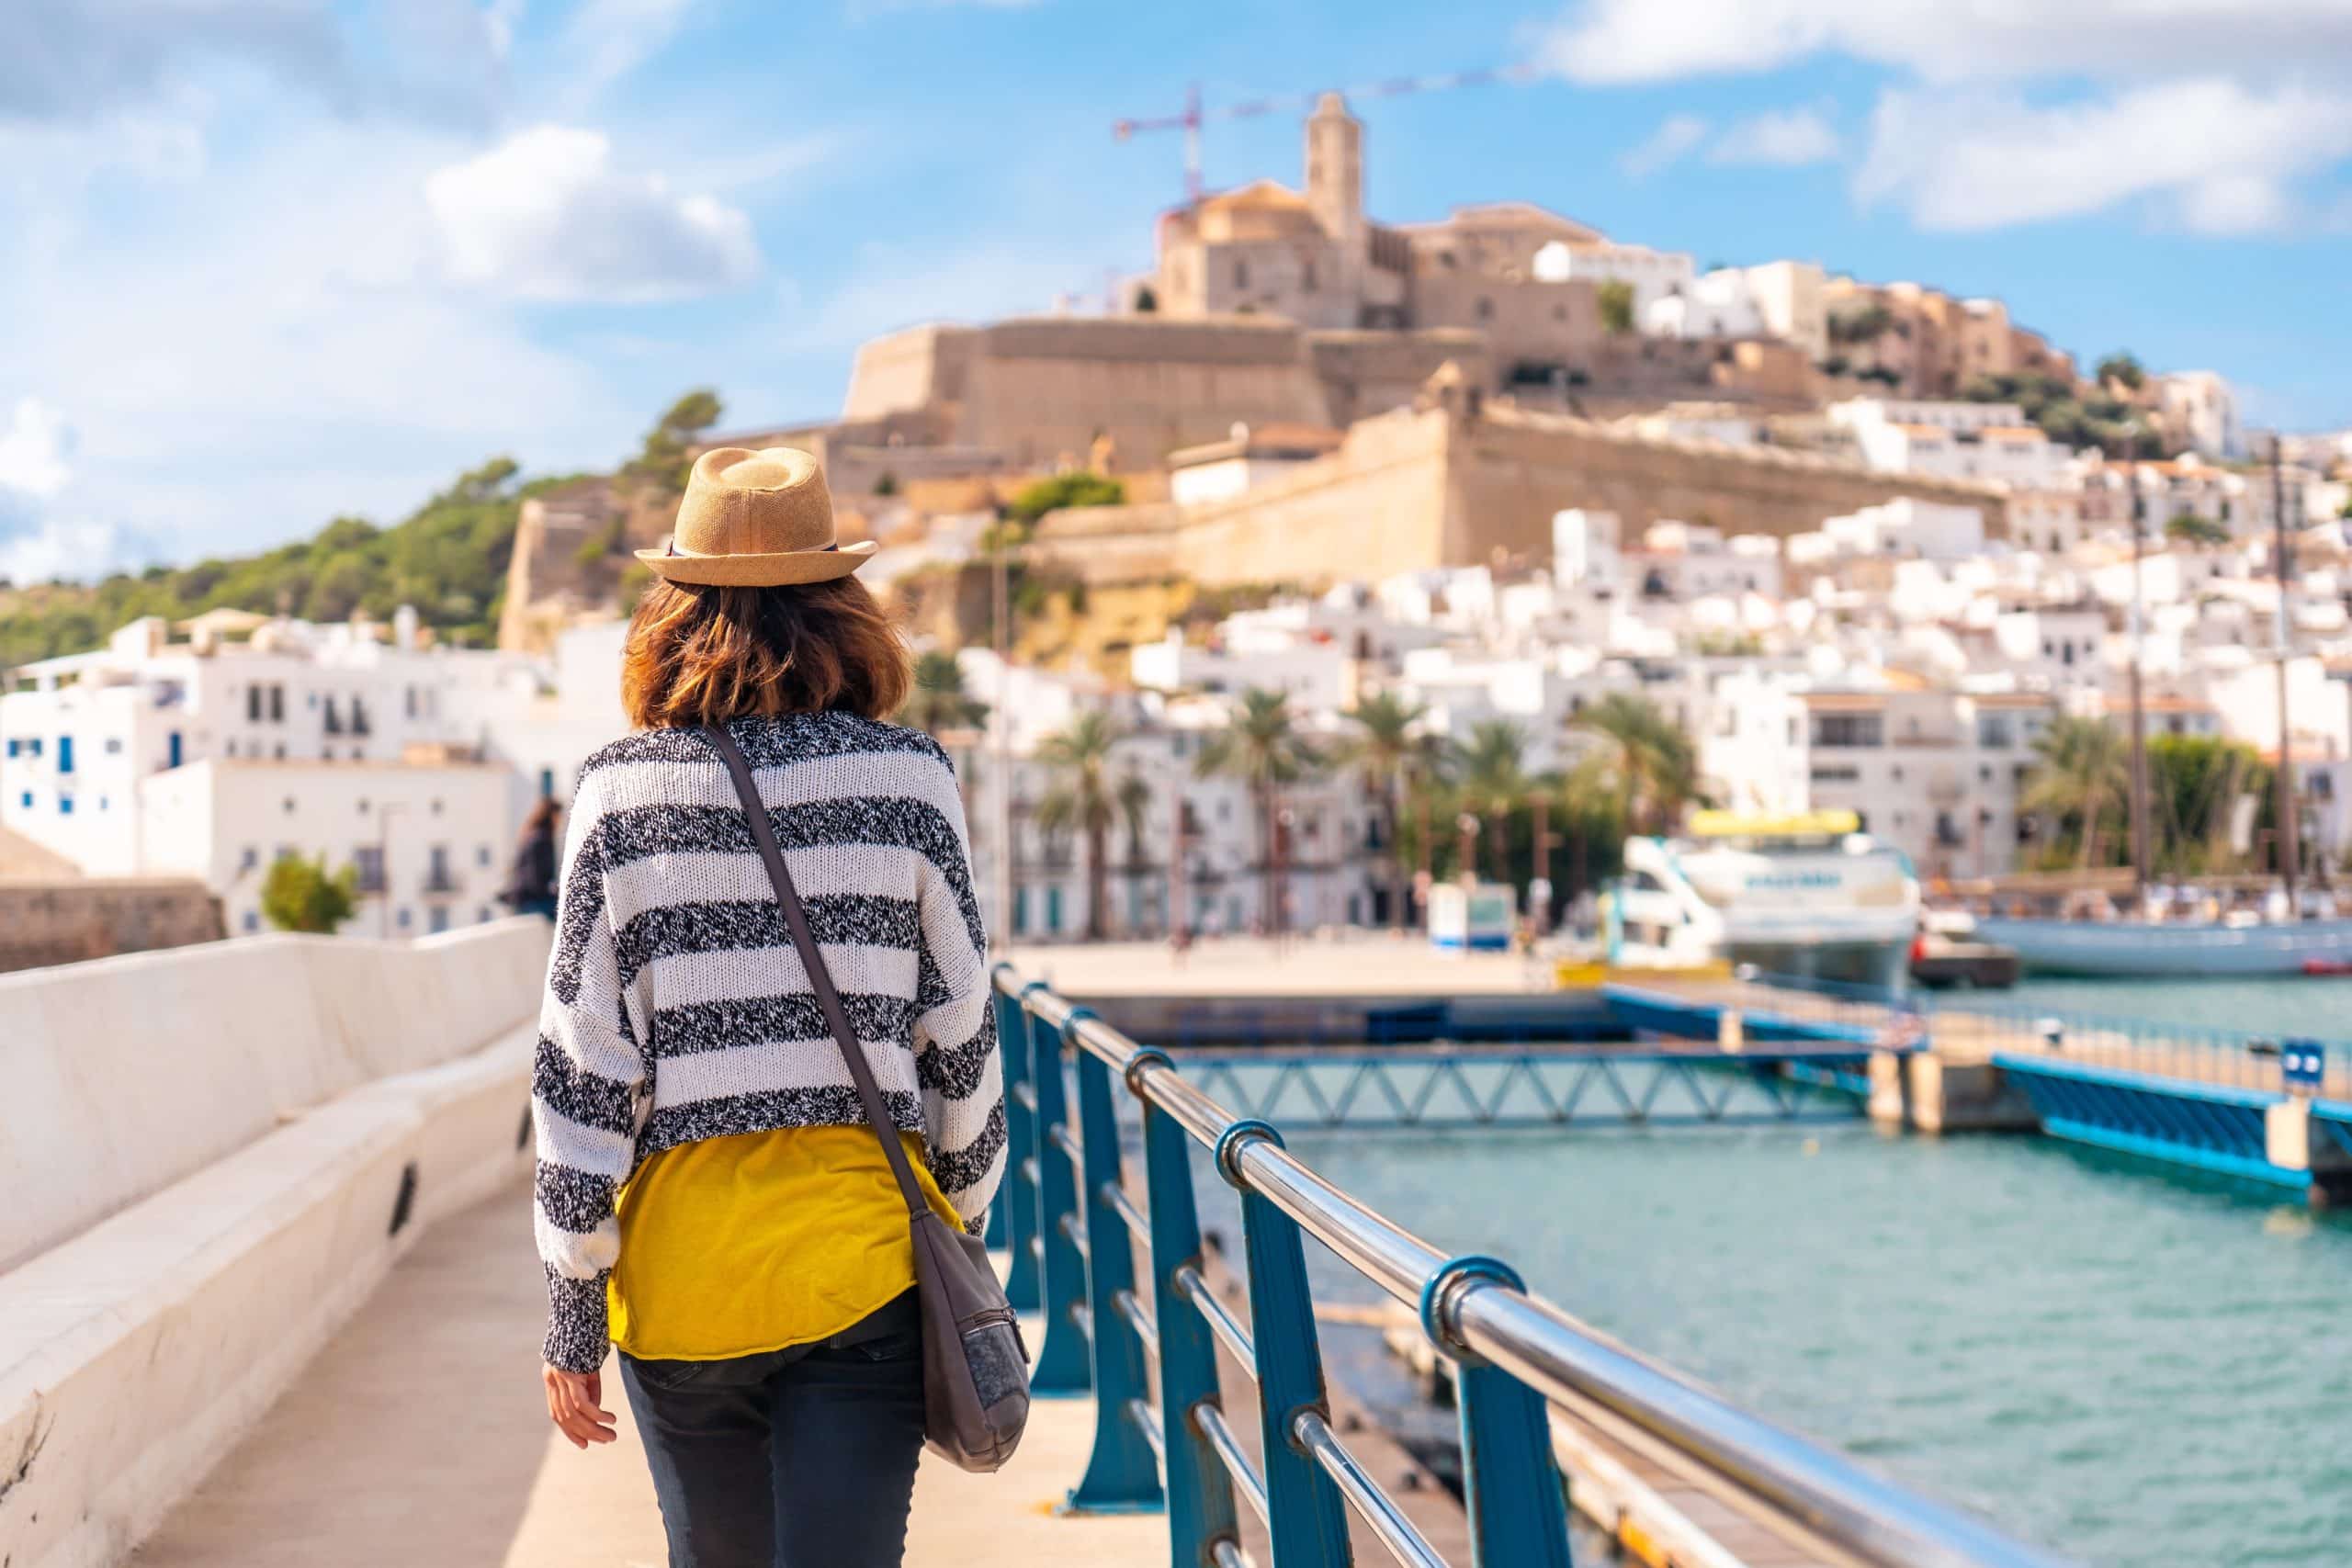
[[821, 979]]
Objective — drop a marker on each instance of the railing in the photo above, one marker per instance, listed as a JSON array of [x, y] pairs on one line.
[[1144, 1343], [2232, 1058]]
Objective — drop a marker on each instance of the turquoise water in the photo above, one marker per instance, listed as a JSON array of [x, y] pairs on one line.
[[2137, 1369], [2288, 1005]]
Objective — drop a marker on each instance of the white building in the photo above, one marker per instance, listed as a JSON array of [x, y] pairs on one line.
[[1652, 275], [1902, 528], [214, 756], [1991, 442], [431, 839], [1683, 561], [1248, 458], [1778, 299], [2201, 409]]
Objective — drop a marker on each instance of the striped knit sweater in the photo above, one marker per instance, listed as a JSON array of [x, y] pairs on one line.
[[677, 1010]]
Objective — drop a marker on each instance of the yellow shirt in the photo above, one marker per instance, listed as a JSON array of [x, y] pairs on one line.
[[736, 1245]]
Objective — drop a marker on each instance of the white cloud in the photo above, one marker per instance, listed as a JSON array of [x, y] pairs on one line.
[[603, 40], [79, 60], [1943, 40], [34, 450], [2209, 154], [1675, 137], [546, 216], [1782, 138], [77, 550]]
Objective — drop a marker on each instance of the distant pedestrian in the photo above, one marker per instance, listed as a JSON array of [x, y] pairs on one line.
[[530, 886], [712, 1199]]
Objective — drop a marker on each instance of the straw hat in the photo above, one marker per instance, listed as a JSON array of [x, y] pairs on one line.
[[756, 519]]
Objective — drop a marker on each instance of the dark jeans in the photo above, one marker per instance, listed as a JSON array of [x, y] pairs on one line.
[[802, 1458]]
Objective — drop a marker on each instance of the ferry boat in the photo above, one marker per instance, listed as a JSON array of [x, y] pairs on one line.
[[2173, 950], [1807, 895]]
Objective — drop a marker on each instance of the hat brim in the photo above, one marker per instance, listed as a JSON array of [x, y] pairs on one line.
[[776, 571]]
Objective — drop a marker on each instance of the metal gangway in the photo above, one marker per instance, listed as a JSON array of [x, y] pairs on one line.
[[1141, 1339]]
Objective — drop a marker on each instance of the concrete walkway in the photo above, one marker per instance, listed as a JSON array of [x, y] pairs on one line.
[[1358, 964], [419, 1436]]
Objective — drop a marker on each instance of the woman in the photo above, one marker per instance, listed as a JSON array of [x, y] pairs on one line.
[[530, 886], [710, 1198]]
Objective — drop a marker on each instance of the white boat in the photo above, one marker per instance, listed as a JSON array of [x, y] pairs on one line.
[[1805, 895], [2174, 950]]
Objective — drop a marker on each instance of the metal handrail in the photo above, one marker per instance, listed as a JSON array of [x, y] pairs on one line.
[[1515, 1353]]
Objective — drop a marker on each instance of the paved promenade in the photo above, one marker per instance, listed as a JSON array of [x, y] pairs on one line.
[[1361, 963], [419, 1440]]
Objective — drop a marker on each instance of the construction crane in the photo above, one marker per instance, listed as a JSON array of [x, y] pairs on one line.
[[1195, 115]]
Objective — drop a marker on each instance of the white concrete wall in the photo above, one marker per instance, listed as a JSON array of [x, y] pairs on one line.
[[293, 1112], [127, 1074]]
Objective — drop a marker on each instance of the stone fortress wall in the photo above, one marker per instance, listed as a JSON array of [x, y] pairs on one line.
[[1467, 481]]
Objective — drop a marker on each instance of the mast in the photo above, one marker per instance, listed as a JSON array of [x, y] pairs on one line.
[[2289, 829], [2139, 723]]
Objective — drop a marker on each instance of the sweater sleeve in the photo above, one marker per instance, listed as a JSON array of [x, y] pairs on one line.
[[586, 1089], [955, 1054]]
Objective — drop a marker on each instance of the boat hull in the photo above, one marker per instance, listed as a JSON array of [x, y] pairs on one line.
[[2125, 949], [1861, 961]]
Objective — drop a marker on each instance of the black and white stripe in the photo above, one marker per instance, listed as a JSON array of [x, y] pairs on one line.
[[677, 1010]]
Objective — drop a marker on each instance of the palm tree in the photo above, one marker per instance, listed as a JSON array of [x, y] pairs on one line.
[[1263, 749], [2085, 764], [1653, 764], [1133, 797], [938, 701], [1084, 796], [1389, 750], [1491, 770]]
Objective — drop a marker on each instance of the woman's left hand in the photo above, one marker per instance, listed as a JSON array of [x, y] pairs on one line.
[[575, 1404]]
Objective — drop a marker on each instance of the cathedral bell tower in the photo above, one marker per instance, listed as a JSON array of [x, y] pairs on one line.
[[1335, 172]]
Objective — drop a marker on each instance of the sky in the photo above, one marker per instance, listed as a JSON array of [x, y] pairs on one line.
[[263, 262]]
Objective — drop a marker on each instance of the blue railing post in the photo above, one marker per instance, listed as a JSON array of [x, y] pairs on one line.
[[1307, 1522], [1511, 1479], [1020, 1196], [1061, 1370], [1200, 1492], [1121, 1476]]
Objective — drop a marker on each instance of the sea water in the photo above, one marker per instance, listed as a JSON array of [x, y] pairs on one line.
[[2132, 1367]]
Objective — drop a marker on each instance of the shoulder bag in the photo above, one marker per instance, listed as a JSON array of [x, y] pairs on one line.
[[975, 1369]]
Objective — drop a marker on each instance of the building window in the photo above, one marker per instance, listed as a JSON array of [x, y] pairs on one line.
[[367, 864], [401, 919], [436, 918], [1307, 278], [436, 808], [252, 705], [253, 922], [65, 806], [482, 855], [12, 745], [1241, 274], [289, 806], [277, 705], [114, 745], [358, 716], [1485, 308], [250, 858], [64, 753]]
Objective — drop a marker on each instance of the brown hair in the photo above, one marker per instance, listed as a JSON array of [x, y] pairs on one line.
[[704, 654]]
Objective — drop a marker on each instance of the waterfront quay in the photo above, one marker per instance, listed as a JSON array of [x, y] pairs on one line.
[[2272, 1110], [308, 1202]]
